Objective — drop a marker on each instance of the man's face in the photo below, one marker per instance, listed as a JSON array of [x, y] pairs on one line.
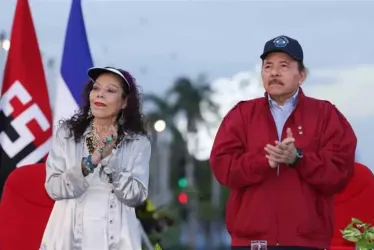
[[280, 75]]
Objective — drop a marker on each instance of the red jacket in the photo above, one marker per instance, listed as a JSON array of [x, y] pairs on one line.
[[296, 207]]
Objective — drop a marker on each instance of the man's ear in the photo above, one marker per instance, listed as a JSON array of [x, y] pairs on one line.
[[303, 76]]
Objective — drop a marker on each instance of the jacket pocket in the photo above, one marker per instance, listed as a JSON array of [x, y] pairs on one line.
[[254, 214], [232, 207], [325, 209], [316, 222]]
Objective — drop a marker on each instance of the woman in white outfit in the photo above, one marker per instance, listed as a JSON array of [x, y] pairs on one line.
[[98, 169]]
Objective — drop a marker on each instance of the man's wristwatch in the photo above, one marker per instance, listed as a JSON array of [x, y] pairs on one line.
[[299, 155]]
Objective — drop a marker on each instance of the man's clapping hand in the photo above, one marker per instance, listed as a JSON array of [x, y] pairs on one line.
[[283, 152]]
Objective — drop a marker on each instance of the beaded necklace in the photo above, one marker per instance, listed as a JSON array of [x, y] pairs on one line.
[[92, 142]]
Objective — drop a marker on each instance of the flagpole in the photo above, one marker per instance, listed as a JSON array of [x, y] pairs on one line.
[[51, 80]]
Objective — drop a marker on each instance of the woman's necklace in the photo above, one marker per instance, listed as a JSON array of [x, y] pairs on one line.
[[92, 141], [91, 145]]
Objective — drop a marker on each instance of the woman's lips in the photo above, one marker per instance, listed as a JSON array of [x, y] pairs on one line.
[[100, 104]]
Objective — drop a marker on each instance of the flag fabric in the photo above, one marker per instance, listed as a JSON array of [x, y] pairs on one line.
[[25, 112], [76, 60]]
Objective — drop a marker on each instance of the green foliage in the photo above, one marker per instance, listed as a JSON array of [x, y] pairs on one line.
[[154, 221], [207, 212], [203, 179], [170, 239], [186, 97], [360, 233], [224, 197]]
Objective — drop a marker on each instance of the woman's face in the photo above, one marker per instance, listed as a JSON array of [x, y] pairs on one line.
[[106, 96]]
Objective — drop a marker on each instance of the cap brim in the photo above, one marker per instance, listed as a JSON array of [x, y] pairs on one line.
[[95, 72], [278, 50]]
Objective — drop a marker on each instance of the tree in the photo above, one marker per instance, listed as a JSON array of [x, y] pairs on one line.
[[189, 96], [185, 98]]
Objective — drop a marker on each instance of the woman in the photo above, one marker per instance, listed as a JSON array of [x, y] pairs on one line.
[[98, 169]]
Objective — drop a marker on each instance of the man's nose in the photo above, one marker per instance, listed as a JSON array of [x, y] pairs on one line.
[[274, 71]]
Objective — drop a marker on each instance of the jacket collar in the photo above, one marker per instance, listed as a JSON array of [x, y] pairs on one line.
[[299, 98]]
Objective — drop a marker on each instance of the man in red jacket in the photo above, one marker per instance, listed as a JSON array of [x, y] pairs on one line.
[[283, 157]]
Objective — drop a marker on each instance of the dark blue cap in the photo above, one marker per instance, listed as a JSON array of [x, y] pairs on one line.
[[286, 45]]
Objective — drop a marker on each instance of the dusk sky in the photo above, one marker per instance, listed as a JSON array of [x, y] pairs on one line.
[[159, 40]]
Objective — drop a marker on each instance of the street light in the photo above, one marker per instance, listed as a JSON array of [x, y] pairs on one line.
[[5, 43], [160, 126]]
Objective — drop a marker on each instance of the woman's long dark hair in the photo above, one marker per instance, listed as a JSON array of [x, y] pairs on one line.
[[132, 115]]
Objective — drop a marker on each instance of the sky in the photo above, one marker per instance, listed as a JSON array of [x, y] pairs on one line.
[[337, 88], [159, 40]]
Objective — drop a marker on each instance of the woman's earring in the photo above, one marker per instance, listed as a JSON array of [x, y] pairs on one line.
[[89, 114], [121, 120]]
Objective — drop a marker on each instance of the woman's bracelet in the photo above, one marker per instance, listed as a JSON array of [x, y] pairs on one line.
[[87, 165]]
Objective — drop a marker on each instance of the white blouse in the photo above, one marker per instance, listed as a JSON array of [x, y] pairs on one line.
[[90, 213]]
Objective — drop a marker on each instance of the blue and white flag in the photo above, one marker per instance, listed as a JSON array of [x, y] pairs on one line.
[[76, 60]]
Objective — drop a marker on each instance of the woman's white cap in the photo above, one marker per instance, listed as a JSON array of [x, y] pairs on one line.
[[95, 72]]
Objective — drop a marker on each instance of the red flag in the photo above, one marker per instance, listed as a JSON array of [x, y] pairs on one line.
[[25, 112]]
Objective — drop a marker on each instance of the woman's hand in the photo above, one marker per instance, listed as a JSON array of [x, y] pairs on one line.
[[105, 146]]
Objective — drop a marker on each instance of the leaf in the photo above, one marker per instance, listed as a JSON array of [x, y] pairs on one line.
[[353, 235], [370, 236], [150, 207], [352, 231], [360, 233], [356, 221], [157, 247], [371, 230], [351, 238]]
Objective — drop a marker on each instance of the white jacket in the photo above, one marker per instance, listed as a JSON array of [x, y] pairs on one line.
[[66, 184]]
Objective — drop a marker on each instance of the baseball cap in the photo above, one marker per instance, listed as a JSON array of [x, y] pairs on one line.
[[95, 72], [284, 44]]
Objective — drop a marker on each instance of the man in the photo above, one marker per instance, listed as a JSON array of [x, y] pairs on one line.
[[283, 157]]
